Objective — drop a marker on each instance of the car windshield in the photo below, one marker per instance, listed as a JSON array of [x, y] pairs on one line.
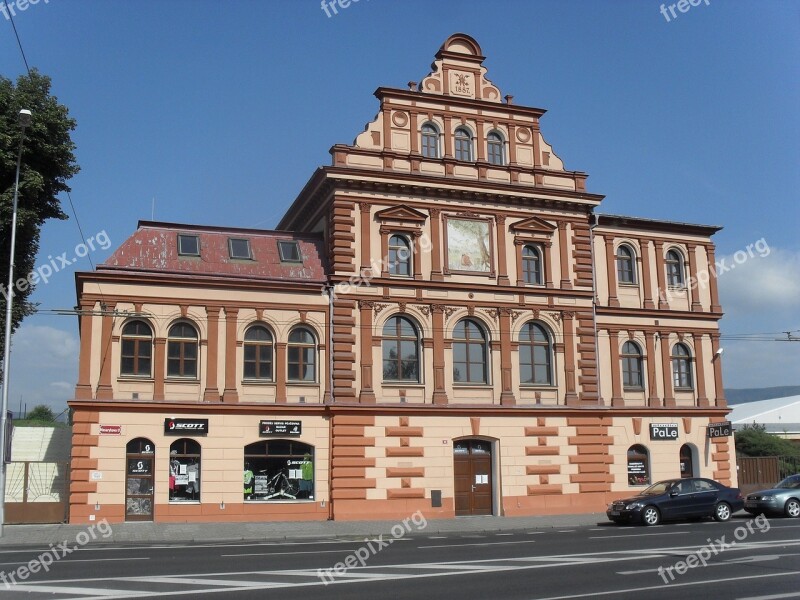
[[790, 483], [658, 488]]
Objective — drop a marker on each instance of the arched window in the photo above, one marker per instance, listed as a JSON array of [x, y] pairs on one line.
[[674, 268], [258, 353], [686, 461], [399, 255], [535, 355], [470, 363], [302, 355], [182, 350], [495, 152], [184, 471], [626, 264], [137, 349], [632, 366], [400, 350], [430, 141], [463, 145], [681, 367], [532, 265], [638, 465], [278, 470]]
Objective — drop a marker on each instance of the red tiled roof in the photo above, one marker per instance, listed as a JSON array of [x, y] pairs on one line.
[[153, 248]]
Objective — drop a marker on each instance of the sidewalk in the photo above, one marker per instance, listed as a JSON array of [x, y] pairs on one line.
[[170, 533]]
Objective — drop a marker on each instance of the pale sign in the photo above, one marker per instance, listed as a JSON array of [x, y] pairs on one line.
[[663, 431], [717, 430]]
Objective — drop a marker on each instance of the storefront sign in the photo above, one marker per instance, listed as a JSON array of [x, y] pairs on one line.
[[663, 431], [718, 430], [280, 427], [110, 429], [185, 426]]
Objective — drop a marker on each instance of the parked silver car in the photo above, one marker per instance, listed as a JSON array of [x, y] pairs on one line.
[[783, 499]]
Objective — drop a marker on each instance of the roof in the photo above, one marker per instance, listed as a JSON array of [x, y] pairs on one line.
[[776, 413], [153, 248], [656, 225]]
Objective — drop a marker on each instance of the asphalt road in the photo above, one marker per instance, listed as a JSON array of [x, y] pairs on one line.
[[707, 559]]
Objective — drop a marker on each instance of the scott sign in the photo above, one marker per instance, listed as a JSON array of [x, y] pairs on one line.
[[184, 426]]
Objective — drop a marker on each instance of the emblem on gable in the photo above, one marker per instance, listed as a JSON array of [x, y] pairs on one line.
[[461, 83]]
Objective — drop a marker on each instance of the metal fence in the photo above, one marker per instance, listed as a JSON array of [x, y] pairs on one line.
[[763, 472], [37, 492]]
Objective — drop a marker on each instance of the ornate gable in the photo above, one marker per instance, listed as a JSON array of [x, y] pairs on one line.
[[458, 71], [533, 225]]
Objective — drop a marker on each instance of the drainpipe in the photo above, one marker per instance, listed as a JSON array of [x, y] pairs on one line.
[[329, 289]]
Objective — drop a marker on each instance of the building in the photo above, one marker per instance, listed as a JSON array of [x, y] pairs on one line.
[[442, 322], [779, 416]]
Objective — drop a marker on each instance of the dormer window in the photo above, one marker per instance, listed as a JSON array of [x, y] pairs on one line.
[[239, 248], [290, 252], [188, 245]]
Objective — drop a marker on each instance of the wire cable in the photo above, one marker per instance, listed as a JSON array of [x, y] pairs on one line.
[[16, 34]]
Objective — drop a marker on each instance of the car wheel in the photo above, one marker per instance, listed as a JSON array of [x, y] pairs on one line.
[[651, 516], [722, 512], [792, 508]]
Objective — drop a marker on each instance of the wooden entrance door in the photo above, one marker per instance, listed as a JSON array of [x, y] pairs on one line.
[[473, 477]]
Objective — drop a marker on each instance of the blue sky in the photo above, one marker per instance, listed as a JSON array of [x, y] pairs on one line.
[[221, 111]]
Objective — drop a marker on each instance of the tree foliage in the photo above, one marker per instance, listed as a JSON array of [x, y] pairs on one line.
[[41, 413], [753, 440], [47, 164]]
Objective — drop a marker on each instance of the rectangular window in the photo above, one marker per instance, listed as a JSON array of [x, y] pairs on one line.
[[188, 245], [239, 248], [290, 252]]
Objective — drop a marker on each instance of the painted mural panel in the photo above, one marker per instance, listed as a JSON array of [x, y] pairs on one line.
[[468, 245]]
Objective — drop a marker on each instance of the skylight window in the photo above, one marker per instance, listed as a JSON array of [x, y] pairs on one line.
[[188, 245], [239, 248], [290, 252]]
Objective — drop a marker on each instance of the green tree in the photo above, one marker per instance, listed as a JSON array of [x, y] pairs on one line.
[[47, 163], [41, 413], [753, 440]]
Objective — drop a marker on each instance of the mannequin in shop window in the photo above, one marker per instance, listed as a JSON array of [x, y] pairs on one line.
[[248, 481], [193, 471], [307, 472], [174, 468]]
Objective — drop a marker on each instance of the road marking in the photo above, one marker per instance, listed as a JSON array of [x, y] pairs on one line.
[[501, 534], [721, 563], [76, 560], [90, 592], [483, 544], [774, 596], [606, 537], [288, 553], [565, 530]]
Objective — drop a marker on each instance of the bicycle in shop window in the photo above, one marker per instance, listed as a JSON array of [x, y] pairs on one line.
[[275, 486]]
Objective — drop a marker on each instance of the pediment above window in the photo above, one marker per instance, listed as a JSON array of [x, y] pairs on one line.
[[533, 225], [401, 213]]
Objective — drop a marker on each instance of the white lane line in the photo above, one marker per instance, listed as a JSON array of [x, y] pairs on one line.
[[287, 553], [500, 534], [627, 535], [535, 532], [437, 537], [77, 560], [774, 596], [722, 563], [672, 585], [483, 544], [565, 530], [90, 592], [202, 581]]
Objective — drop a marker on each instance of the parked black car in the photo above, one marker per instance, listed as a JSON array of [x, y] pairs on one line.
[[783, 499], [678, 499]]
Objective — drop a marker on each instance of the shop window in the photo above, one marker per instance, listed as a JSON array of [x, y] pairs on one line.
[[399, 256], [638, 465], [674, 264], [184, 471], [470, 363], [400, 350], [430, 141], [532, 265], [258, 353], [182, 351], [278, 471], [626, 264], [681, 367], [632, 378], [686, 461], [137, 349], [535, 355], [302, 355]]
